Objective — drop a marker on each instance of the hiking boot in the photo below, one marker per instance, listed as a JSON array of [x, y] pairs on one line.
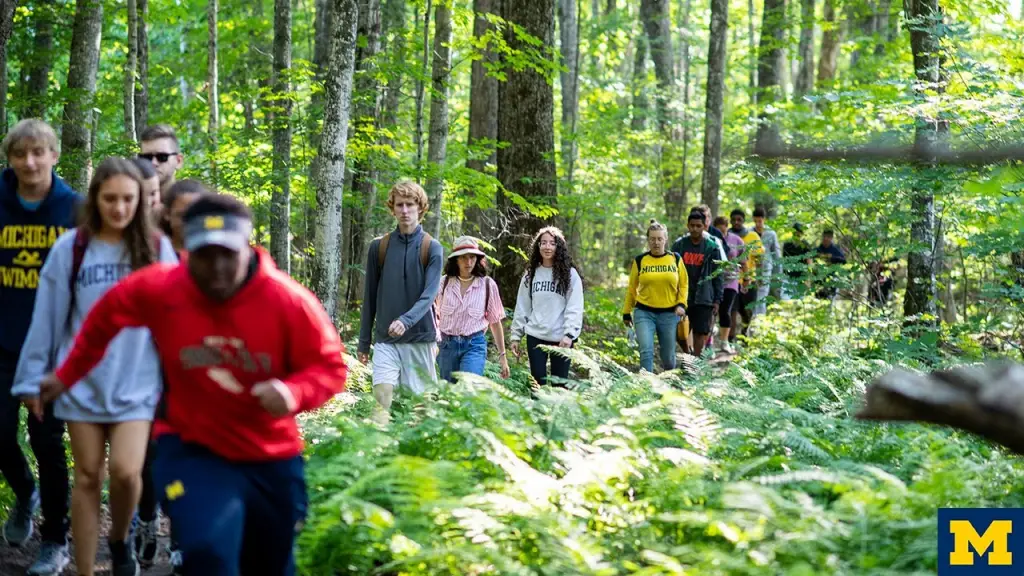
[[18, 528], [52, 560], [146, 542], [176, 563], [122, 559]]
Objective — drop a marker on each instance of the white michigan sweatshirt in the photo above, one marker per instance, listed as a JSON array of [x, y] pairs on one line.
[[545, 314]]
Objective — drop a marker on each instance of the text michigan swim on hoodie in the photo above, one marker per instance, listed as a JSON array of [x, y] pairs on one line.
[[26, 236], [126, 384]]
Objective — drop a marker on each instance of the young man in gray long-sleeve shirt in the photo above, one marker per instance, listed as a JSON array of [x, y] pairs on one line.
[[398, 298]]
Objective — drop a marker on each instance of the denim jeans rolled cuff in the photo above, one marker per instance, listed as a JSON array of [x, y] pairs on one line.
[[663, 324], [462, 354]]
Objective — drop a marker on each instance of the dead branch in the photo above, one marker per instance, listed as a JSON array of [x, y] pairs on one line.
[[883, 154]]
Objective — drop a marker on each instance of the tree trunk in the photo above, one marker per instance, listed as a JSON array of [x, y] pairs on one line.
[[632, 237], [483, 113], [526, 125], [213, 99], [569, 37], [130, 66], [830, 41], [685, 25], [330, 174], [281, 137], [6, 26], [768, 78], [864, 17], [437, 147], [363, 178], [943, 266], [39, 60], [255, 60], [640, 108], [713, 108], [752, 39], [421, 86], [142, 69], [655, 16], [930, 135], [883, 26], [805, 76], [985, 400], [76, 143]]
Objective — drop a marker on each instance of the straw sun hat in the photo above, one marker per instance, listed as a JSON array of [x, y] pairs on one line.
[[466, 245]]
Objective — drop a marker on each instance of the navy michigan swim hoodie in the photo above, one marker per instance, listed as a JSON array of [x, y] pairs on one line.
[[26, 236]]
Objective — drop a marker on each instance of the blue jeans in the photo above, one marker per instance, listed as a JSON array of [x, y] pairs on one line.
[[230, 517], [664, 324], [462, 354]]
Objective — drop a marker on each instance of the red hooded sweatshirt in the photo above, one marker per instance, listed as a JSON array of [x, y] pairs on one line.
[[213, 353]]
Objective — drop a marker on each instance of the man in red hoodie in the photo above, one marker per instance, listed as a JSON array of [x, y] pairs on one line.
[[244, 349]]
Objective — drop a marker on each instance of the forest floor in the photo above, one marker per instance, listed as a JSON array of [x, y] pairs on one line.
[[15, 561]]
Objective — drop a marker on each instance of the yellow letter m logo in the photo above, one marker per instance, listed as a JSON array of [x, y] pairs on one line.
[[993, 542]]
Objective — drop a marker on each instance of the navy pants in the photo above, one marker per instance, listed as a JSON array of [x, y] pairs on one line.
[[462, 354], [230, 518]]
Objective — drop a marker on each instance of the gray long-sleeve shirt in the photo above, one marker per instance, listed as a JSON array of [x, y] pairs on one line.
[[403, 290]]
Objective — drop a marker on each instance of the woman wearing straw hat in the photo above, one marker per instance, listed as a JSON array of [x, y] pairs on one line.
[[469, 303]]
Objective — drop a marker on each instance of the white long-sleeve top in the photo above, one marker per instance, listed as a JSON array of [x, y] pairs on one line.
[[544, 313]]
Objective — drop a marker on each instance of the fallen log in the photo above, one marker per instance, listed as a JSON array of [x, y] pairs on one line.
[[987, 400]]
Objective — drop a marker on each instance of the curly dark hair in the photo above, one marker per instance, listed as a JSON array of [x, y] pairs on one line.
[[138, 235], [562, 269]]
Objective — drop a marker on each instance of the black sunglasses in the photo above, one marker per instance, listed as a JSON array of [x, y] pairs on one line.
[[160, 157]]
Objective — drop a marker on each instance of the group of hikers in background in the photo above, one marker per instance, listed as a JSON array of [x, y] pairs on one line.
[[116, 321]]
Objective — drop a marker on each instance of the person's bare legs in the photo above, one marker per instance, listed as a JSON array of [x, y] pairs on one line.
[[698, 343], [88, 443], [128, 442]]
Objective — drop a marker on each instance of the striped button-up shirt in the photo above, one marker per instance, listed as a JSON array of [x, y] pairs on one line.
[[464, 314]]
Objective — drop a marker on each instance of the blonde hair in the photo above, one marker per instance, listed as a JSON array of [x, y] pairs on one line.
[[656, 226], [30, 129], [408, 189]]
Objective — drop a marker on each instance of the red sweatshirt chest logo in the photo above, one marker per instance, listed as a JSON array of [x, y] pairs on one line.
[[219, 354], [693, 258]]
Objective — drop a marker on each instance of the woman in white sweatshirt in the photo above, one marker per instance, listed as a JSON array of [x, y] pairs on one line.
[[549, 307]]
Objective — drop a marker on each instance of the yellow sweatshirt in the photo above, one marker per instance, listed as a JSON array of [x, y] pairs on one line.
[[754, 251], [659, 285]]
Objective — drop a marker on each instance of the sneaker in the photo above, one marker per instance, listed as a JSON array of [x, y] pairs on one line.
[[52, 560], [146, 542], [18, 528], [176, 563], [122, 559]]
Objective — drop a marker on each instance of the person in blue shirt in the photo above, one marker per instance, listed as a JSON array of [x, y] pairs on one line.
[[36, 207], [831, 254]]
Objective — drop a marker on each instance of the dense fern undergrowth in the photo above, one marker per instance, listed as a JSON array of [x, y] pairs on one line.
[[757, 467]]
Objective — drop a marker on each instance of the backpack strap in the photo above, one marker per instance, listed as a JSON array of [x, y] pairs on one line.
[[638, 259], [382, 250], [487, 294], [78, 248], [425, 249]]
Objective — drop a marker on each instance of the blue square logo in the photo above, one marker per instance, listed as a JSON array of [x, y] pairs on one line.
[[985, 541]]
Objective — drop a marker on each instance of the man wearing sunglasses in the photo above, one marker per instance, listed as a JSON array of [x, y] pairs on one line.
[[159, 145]]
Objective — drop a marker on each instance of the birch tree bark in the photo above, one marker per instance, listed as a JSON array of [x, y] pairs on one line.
[[713, 107], [76, 141], [130, 66], [805, 77], [526, 124], [212, 79], [281, 137], [142, 68], [330, 175], [437, 146], [569, 38], [483, 112]]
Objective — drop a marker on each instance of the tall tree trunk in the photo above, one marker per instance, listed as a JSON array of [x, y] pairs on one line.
[[830, 41], [526, 125], [76, 143], [569, 37], [752, 56], [768, 78], [863, 15], [394, 15], [213, 98], [39, 61], [281, 137], [685, 25], [884, 28], [483, 112], [255, 60], [805, 77], [640, 108], [330, 174], [632, 237], [130, 66], [655, 16], [142, 69], [421, 86], [713, 108], [930, 134], [363, 178], [437, 147], [6, 26]]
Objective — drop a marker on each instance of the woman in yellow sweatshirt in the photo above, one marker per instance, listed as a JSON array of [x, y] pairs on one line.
[[658, 288]]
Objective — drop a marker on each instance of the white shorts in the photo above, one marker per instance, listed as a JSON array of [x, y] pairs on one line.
[[405, 365]]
